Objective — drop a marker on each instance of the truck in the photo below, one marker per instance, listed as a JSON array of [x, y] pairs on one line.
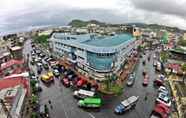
[[126, 105], [90, 103], [82, 94]]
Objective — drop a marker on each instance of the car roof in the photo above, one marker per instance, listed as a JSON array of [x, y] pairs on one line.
[[85, 92], [130, 100]]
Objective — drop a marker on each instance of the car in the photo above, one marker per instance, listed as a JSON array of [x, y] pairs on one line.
[[72, 77], [56, 73], [80, 83], [131, 79], [44, 111], [126, 105], [82, 94], [164, 99], [90, 103], [145, 80], [42, 55], [66, 82], [39, 70], [46, 78], [45, 65], [158, 82], [163, 89], [160, 111], [32, 62], [39, 65]]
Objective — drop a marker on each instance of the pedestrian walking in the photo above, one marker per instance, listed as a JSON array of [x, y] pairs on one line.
[[146, 97], [49, 101]]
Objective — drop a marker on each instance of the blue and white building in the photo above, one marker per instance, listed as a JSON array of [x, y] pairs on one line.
[[96, 56]]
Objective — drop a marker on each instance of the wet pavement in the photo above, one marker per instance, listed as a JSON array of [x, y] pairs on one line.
[[65, 106]]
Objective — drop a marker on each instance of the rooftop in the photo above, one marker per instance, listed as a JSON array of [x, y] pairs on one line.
[[109, 41], [93, 40], [94, 43]]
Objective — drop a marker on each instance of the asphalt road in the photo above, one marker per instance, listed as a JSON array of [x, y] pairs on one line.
[[65, 106]]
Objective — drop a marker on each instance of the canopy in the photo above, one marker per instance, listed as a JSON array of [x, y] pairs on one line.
[[10, 63]]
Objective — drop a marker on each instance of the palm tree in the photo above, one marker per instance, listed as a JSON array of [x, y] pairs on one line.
[[183, 67]]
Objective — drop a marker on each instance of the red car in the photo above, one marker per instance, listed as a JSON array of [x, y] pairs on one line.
[[81, 82], [66, 82], [161, 111], [145, 80], [159, 82]]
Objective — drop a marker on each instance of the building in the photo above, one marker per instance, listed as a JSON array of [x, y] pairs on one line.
[[16, 52], [184, 36], [95, 56], [12, 101]]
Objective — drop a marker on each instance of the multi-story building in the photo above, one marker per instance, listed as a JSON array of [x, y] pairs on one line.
[[95, 56], [12, 102]]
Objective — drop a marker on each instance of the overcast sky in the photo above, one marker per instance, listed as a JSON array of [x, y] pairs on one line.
[[17, 15]]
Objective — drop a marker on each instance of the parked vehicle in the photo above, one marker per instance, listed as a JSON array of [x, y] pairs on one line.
[[43, 111], [164, 99], [131, 79], [45, 65], [81, 83], [66, 82], [159, 81], [163, 89], [160, 111], [90, 103], [82, 94], [56, 73], [126, 105]]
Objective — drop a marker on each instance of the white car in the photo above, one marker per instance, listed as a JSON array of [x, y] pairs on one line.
[[163, 90], [164, 99], [56, 72]]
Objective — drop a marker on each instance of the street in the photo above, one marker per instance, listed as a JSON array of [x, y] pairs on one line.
[[65, 106]]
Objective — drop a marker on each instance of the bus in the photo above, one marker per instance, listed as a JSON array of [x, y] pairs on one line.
[[90, 103]]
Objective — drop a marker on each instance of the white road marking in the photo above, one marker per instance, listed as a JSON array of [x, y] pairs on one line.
[[92, 116]]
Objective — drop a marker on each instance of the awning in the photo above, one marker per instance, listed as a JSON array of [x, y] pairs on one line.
[[10, 63]]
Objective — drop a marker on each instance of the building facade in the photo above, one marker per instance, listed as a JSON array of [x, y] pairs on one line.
[[94, 55]]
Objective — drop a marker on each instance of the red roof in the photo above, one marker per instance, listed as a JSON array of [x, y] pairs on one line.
[[174, 66], [12, 82], [10, 63]]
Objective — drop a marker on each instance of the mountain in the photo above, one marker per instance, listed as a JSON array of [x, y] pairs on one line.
[[81, 23]]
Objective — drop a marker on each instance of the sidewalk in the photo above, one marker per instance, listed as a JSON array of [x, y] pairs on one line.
[[128, 68]]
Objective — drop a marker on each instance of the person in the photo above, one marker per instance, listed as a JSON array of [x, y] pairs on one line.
[[146, 96], [49, 101]]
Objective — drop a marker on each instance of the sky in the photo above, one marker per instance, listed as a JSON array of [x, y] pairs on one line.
[[20, 15]]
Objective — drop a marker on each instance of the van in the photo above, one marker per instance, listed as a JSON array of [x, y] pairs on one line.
[[82, 94]]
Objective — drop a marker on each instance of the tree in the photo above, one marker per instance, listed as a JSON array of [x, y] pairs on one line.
[[183, 67], [164, 56]]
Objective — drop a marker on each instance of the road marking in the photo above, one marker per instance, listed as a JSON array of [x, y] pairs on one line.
[[92, 116]]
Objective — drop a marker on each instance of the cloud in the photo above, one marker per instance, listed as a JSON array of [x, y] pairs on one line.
[[23, 14], [170, 7]]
